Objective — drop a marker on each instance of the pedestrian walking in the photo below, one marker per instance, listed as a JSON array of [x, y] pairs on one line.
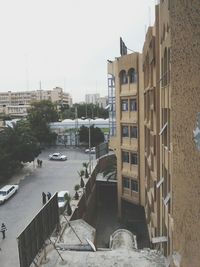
[[3, 230], [44, 198], [48, 195], [38, 162]]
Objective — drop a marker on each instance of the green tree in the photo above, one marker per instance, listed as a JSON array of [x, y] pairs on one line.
[[81, 173], [76, 188], [82, 184], [17, 145], [86, 165], [83, 110], [27, 147], [69, 209], [96, 134], [39, 115], [110, 170]]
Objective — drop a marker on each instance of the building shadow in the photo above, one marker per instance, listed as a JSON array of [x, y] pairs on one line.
[[106, 219]]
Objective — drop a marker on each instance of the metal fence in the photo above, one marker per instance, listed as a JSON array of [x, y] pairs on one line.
[[33, 237]]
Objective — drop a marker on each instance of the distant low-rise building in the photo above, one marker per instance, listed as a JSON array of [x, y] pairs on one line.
[[16, 103]]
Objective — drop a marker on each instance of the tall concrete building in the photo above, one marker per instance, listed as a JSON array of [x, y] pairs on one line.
[[16, 103], [169, 166], [172, 95], [126, 126], [151, 130], [92, 98], [176, 194]]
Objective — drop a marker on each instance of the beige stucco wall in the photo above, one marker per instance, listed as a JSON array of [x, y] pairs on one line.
[[128, 118], [185, 105], [141, 131]]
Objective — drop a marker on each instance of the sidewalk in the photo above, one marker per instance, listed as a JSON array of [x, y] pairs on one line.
[[21, 174]]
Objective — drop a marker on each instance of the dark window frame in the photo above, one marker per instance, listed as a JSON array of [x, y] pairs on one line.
[[125, 157], [126, 182], [124, 132], [134, 186], [134, 158], [124, 104], [134, 132], [133, 104]]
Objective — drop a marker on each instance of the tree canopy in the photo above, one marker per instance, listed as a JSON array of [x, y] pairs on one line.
[[96, 135], [39, 115], [17, 145], [83, 110]]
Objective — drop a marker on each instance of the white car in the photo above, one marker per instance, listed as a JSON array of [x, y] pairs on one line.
[[92, 151], [57, 156], [7, 191], [62, 199]]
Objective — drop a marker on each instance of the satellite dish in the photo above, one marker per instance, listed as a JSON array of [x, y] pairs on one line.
[[91, 245]]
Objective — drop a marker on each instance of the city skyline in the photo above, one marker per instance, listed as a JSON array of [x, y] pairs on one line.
[[67, 44]]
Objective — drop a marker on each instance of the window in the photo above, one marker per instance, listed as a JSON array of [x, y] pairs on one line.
[[133, 132], [124, 105], [134, 158], [125, 156], [165, 74], [123, 77], [132, 75], [125, 132], [134, 185], [133, 105], [125, 182]]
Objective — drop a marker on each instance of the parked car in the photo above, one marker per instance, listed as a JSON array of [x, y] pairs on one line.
[[7, 191], [57, 156], [62, 199], [93, 150]]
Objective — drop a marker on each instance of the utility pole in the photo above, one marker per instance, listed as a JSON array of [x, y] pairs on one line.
[[76, 126], [89, 148]]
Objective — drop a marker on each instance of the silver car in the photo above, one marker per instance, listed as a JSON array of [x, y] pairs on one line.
[[7, 191], [57, 156]]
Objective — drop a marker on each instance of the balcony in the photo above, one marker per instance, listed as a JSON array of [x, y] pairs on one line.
[[133, 116], [130, 142], [128, 89]]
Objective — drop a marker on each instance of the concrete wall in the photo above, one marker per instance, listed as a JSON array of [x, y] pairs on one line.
[[86, 206], [185, 105], [141, 131]]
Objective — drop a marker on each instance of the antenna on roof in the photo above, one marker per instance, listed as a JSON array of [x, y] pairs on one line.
[[149, 9], [27, 73]]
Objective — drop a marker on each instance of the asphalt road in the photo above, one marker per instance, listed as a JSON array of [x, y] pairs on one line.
[[18, 211]]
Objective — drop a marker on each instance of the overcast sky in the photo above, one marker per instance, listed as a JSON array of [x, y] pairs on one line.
[[66, 43]]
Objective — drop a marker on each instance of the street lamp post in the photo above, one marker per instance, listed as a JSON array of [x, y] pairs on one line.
[[89, 148]]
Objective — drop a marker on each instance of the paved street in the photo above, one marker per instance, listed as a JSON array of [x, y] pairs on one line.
[[18, 211]]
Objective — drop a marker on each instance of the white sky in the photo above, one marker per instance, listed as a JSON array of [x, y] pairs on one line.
[[66, 43]]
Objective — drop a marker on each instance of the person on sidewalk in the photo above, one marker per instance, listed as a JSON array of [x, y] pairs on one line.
[[44, 198], [38, 162], [3, 230], [48, 195]]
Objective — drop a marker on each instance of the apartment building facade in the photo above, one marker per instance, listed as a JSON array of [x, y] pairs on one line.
[[171, 146], [126, 120], [169, 166], [151, 129], [16, 103]]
